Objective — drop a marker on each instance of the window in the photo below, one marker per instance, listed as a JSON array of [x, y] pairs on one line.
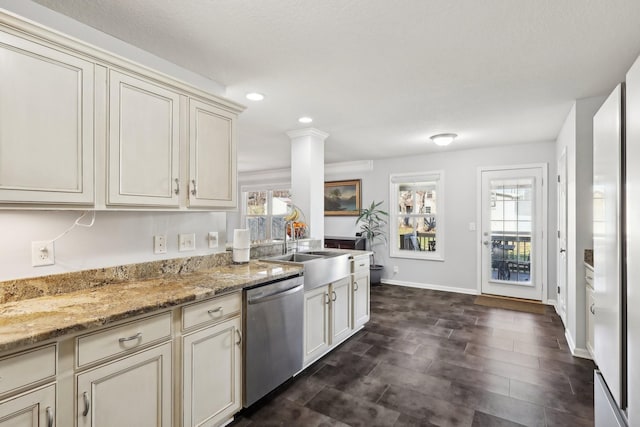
[[264, 212], [417, 215]]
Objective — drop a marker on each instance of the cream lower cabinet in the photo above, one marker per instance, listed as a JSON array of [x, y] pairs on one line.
[[590, 310], [134, 391], [361, 290], [34, 408], [212, 369], [46, 124], [327, 318]]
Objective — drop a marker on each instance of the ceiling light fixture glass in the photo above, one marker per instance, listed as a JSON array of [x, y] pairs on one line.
[[254, 96], [305, 119], [443, 139]]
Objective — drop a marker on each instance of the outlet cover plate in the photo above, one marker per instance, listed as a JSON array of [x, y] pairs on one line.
[[186, 242], [160, 244], [42, 253], [213, 239]]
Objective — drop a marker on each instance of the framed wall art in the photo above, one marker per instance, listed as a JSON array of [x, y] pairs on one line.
[[342, 198]]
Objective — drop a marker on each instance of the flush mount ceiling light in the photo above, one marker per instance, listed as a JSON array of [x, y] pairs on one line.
[[443, 139], [305, 119], [254, 96]]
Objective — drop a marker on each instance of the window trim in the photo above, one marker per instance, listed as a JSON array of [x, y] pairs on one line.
[[269, 188], [395, 214]]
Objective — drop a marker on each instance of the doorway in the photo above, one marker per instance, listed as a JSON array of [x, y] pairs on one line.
[[561, 306], [512, 217]]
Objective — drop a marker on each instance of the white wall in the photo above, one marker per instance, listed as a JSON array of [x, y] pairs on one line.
[[459, 270], [576, 136], [117, 237]]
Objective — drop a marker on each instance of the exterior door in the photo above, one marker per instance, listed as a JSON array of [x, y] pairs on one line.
[[562, 237], [512, 234]]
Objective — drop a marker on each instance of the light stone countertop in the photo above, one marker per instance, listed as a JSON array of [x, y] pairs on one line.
[[33, 320]]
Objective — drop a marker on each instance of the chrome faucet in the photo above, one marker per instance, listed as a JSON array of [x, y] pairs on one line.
[[285, 249]]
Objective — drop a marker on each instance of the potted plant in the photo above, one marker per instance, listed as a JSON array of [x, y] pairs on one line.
[[372, 221]]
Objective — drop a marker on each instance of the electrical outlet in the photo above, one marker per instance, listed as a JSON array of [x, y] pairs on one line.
[[213, 239], [160, 244], [186, 242], [395, 269], [42, 253]]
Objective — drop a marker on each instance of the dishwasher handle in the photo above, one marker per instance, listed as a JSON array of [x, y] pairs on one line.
[[275, 295]]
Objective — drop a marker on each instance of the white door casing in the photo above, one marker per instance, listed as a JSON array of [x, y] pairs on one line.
[[561, 305], [512, 215]]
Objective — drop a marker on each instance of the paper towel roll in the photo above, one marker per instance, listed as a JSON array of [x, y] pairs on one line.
[[241, 245]]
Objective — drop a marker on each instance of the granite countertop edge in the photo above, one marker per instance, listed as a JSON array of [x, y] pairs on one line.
[[28, 322]]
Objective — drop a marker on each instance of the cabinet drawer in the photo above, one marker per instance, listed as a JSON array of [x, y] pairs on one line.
[[211, 310], [26, 368], [122, 339], [360, 263]]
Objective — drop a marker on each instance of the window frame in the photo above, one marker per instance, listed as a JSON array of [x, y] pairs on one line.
[[269, 189], [395, 180]]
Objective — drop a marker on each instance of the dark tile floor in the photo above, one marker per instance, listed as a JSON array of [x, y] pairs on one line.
[[434, 358]]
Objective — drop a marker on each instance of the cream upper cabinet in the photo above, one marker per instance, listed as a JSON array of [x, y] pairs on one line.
[[212, 156], [143, 143], [46, 124]]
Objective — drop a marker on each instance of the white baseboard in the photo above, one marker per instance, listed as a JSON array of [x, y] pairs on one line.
[[577, 352], [430, 286], [552, 302]]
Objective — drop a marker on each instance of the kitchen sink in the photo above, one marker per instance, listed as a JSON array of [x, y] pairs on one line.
[[320, 267]]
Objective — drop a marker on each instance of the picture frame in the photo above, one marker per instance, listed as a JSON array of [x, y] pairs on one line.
[[342, 198]]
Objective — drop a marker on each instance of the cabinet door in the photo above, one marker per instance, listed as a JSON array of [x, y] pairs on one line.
[[32, 409], [360, 298], [340, 310], [212, 368], [135, 391], [46, 124], [316, 323], [143, 142], [212, 156]]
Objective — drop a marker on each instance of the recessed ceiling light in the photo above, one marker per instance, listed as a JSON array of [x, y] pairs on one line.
[[443, 139], [305, 119], [255, 96]]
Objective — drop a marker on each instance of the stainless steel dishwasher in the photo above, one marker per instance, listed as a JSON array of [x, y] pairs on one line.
[[273, 334]]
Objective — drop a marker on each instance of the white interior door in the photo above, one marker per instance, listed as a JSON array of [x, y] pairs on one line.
[[562, 237], [512, 227]]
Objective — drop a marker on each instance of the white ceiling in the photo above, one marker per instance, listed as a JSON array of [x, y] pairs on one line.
[[381, 76]]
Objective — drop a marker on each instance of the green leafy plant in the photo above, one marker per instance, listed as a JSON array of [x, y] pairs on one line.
[[372, 222]]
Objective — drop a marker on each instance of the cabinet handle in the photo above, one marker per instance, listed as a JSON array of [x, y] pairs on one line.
[[215, 310], [355, 286], [131, 338], [327, 300], [592, 309], [85, 397], [49, 413], [362, 265], [177, 190], [193, 189], [239, 337], [335, 296]]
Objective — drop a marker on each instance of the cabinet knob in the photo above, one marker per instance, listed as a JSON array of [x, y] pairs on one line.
[[131, 338], [239, 337], [194, 190], [327, 299], [215, 310], [177, 190], [592, 309], [335, 296], [49, 413], [355, 286]]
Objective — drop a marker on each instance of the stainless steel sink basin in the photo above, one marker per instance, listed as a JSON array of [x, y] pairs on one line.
[[320, 268], [295, 257]]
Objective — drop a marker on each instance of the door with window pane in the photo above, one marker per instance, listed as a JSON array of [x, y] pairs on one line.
[[512, 233]]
